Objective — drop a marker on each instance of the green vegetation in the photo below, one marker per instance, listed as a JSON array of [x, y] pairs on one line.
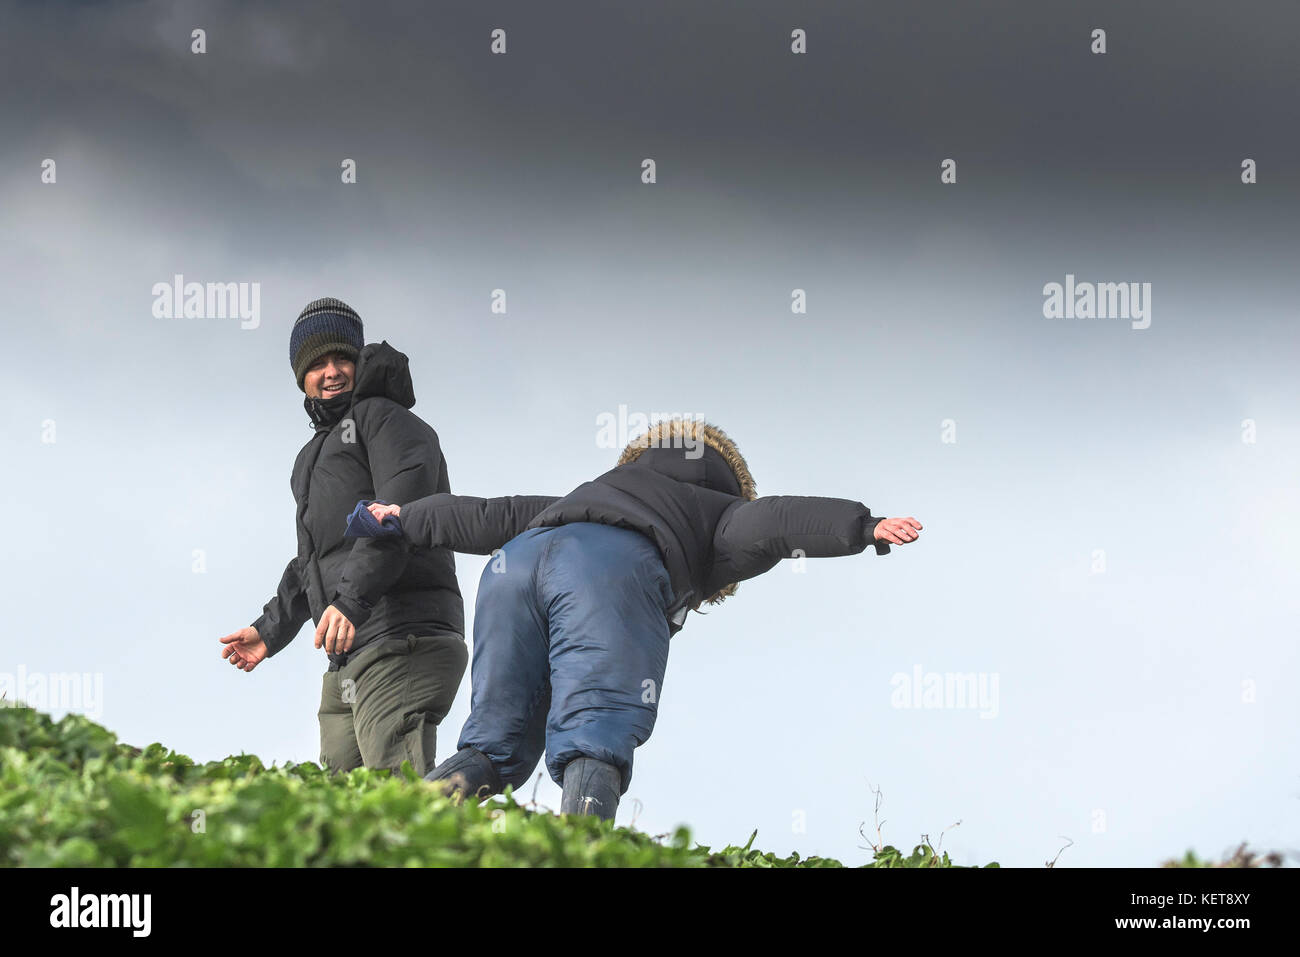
[[71, 795]]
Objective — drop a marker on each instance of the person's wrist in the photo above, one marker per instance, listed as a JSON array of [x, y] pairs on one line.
[[354, 608]]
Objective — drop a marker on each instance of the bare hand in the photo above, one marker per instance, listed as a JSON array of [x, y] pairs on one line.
[[380, 512], [900, 531], [244, 648], [335, 632]]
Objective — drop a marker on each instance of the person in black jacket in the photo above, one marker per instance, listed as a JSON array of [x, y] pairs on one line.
[[576, 608], [390, 616]]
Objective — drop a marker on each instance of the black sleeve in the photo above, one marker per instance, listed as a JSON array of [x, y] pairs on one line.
[[751, 537], [285, 614], [463, 523], [405, 463]]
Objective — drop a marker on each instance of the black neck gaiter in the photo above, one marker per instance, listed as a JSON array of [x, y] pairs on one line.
[[325, 413]]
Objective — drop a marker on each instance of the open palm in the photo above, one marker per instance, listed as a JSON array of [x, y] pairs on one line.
[[244, 648]]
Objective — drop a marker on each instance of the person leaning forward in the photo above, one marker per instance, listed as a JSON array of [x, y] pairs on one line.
[[576, 609], [389, 615]]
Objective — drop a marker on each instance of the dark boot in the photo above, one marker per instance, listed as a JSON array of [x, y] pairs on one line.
[[591, 787], [468, 771]]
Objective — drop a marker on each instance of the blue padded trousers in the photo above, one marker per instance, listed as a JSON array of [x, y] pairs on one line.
[[570, 649]]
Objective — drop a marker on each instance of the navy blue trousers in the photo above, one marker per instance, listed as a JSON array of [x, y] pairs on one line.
[[570, 648]]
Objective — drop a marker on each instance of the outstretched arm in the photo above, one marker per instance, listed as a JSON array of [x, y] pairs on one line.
[[751, 537], [464, 523]]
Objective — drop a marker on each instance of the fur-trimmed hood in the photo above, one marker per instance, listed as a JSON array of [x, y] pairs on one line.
[[667, 448], [678, 433]]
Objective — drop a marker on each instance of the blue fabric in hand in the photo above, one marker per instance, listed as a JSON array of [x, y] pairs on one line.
[[361, 524]]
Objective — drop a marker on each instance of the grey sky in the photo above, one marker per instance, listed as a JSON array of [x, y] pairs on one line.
[[1120, 715]]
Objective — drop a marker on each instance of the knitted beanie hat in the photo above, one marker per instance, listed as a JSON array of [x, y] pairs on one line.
[[324, 326]]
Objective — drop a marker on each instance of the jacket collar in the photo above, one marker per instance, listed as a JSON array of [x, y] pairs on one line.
[[381, 370], [326, 413]]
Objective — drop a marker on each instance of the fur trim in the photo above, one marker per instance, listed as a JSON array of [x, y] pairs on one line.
[[669, 434]]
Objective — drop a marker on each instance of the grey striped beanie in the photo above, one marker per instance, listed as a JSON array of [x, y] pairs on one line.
[[325, 325]]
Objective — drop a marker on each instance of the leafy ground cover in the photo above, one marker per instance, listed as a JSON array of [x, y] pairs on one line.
[[72, 795]]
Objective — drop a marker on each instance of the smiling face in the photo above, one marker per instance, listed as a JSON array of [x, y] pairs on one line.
[[328, 376]]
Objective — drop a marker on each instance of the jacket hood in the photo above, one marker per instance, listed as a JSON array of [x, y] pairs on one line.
[[670, 436], [721, 467], [381, 371]]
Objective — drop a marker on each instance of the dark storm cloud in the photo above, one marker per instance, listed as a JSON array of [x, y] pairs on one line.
[[474, 161], [710, 89]]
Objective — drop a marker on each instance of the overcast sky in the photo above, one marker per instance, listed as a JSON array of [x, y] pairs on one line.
[[1111, 512]]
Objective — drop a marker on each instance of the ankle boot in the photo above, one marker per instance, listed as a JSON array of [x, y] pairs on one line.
[[467, 772], [591, 787]]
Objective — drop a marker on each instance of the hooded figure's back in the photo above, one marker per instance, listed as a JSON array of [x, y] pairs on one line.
[[698, 507], [682, 484]]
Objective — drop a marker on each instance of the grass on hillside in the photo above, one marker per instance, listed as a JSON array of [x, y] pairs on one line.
[[72, 795]]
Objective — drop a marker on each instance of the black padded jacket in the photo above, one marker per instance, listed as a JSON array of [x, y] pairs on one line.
[[368, 445], [708, 538]]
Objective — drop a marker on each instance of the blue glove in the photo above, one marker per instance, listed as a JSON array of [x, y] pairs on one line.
[[361, 524]]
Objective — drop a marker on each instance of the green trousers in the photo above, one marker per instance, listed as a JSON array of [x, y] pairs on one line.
[[385, 704]]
